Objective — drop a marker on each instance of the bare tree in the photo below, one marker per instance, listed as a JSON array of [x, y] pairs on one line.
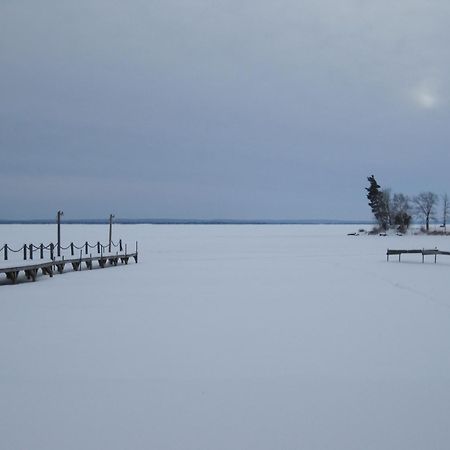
[[425, 204], [386, 206], [445, 211], [401, 212]]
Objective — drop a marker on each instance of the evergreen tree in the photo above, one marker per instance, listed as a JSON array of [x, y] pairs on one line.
[[373, 195], [379, 202]]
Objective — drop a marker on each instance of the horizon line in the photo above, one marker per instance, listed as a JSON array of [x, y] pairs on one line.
[[165, 221]]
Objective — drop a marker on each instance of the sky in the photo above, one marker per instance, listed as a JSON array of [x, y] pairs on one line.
[[249, 109]]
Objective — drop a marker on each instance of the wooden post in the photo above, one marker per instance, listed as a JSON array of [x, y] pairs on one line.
[[111, 217], [120, 245], [71, 248], [6, 252], [52, 248], [59, 214], [86, 248], [31, 251], [24, 251], [42, 251], [98, 247]]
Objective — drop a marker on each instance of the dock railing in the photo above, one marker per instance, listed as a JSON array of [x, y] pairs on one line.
[[49, 251]]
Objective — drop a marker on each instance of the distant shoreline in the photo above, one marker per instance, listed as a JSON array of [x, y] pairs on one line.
[[187, 222]]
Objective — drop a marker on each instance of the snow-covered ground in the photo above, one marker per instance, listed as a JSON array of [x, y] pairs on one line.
[[227, 338]]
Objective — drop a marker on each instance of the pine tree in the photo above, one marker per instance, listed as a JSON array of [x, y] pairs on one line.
[[379, 202], [373, 194]]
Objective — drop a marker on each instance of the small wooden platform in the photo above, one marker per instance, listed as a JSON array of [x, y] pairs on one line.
[[49, 267], [424, 252]]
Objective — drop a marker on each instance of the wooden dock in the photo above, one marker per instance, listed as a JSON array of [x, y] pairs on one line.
[[56, 264], [424, 252]]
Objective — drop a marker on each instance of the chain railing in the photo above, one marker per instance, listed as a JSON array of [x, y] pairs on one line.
[[31, 251]]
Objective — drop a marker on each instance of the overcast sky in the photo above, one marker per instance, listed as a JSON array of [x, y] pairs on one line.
[[220, 109]]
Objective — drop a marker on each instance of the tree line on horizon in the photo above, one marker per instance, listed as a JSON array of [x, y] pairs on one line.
[[396, 210]]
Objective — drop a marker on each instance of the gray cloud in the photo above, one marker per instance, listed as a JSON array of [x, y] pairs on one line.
[[220, 109]]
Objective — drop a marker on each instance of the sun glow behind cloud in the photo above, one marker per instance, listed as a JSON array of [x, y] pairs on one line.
[[426, 95]]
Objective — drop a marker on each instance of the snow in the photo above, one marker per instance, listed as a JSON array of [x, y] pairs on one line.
[[229, 337]]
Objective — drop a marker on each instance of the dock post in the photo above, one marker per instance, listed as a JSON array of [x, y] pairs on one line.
[[120, 245], [6, 252], [86, 248], [98, 247], [52, 248], [111, 217], [25, 252], [423, 256], [41, 251], [71, 248], [31, 251], [60, 213]]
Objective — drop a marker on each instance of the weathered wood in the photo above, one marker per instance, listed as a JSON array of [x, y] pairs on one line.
[[396, 252], [13, 276], [48, 270], [47, 267], [59, 214], [31, 274], [424, 252]]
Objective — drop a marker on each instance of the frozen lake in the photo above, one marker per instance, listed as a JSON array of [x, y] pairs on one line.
[[229, 337]]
